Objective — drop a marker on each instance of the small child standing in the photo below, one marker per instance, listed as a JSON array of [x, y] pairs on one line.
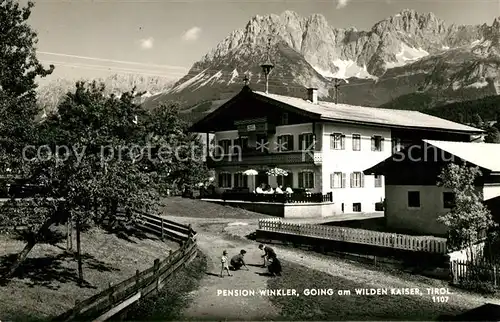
[[225, 264]]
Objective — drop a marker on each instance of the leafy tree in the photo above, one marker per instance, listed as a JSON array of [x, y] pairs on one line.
[[478, 121], [19, 68], [469, 219], [184, 164], [492, 135]]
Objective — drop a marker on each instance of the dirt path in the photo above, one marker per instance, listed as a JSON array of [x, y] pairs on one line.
[[214, 235], [208, 305]]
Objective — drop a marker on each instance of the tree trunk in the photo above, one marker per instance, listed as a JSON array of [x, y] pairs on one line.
[[29, 246], [69, 235], [79, 250]]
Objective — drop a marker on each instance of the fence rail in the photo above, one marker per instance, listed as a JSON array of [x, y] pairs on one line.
[[279, 198], [429, 244], [466, 271]]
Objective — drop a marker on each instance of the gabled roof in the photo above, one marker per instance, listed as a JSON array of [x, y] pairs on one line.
[[371, 115], [484, 155], [344, 113]]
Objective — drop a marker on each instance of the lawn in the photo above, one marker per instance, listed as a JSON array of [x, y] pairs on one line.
[[48, 284], [349, 307], [194, 208]]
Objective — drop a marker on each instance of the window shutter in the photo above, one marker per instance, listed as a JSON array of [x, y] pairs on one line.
[[289, 180], [381, 144], [343, 180], [290, 146], [342, 142], [362, 179], [332, 141], [220, 180], [301, 180], [332, 182], [245, 180], [373, 144], [235, 180], [311, 181], [313, 143], [352, 180], [301, 142]]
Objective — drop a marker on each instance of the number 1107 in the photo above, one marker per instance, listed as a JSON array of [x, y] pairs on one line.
[[440, 299]]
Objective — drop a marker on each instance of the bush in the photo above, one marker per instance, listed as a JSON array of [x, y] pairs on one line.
[[483, 287]]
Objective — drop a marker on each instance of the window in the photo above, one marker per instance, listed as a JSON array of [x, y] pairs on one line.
[[285, 143], [337, 180], [337, 141], [357, 180], [224, 180], [224, 146], [356, 207], [284, 118], [448, 200], [414, 199], [240, 144], [396, 144], [356, 142], [306, 141], [377, 143], [285, 181], [378, 181], [306, 180], [240, 180]]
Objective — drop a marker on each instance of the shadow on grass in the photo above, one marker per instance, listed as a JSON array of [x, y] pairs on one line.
[[265, 274], [212, 274], [50, 271], [170, 302], [127, 231]]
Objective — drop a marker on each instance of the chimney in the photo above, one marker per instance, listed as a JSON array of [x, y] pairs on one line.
[[312, 95]]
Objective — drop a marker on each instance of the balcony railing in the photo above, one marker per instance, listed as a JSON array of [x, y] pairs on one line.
[[297, 157], [277, 198]]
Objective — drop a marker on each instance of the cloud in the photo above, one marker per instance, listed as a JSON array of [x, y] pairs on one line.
[[191, 34], [147, 43], [342, 3]]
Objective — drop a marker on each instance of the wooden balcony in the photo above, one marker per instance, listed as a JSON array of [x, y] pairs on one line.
[[269, 159]]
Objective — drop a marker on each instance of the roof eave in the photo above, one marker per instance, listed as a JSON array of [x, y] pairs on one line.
[[401, 126]]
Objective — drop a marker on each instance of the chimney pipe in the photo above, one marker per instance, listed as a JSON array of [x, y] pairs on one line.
[[312, 95]]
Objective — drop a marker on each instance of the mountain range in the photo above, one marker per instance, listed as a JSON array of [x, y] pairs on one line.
[[52, 93], [410, 60]]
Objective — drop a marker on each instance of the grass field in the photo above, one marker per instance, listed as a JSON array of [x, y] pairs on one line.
[[349, 307], [170, 302], [47, 283], [184, 207]]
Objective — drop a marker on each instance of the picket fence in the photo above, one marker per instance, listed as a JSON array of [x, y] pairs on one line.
[[428, 244], [466, 271]]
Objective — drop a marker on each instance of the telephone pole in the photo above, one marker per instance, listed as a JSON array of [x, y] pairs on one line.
[[336, 85]]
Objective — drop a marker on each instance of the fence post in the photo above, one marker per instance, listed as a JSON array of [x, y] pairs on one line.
[[155, 274], [112, 294], [162, 225]]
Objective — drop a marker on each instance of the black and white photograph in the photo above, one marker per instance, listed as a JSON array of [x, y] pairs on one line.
[[249, 160]]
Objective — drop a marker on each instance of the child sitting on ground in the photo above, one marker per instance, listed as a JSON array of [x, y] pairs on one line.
[[225, 264]]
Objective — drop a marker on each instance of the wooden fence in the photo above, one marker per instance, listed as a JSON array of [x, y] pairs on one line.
[[163, 227], [429, 244], [466, 271], [111, 301], [278, 197]]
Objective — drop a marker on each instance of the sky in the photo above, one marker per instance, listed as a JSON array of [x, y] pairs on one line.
[[93, 38]]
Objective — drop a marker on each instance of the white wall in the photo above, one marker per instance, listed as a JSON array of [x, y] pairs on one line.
[[348, 161], [421, 220], [491, 192]]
